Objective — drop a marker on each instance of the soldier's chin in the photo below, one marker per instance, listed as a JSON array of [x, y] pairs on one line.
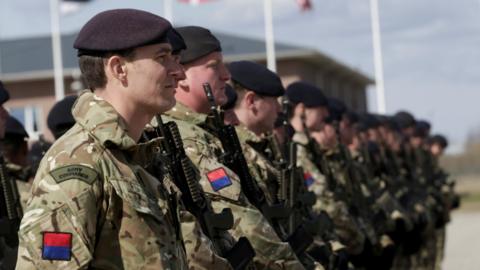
[[169, 106], [221, 100]]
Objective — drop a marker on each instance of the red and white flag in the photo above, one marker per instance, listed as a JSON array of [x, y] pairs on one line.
[[71, 6], [304, 5], [194, 2]]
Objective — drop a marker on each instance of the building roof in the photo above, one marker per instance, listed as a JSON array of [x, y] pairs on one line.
[[31, 58]]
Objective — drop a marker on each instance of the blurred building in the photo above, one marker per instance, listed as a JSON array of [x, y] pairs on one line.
[[26, 68]]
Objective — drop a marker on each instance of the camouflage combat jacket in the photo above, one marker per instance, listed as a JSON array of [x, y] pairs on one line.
[[93, 206], [260, 168], [203, 148], [346, 227]]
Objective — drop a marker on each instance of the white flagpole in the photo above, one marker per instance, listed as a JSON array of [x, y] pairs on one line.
[[377, 54], [57, 49], [269, 38], [168, 10]]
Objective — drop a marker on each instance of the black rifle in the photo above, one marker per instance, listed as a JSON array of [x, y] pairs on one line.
[[233, 158], [214, 225], [292, 187], [10, 208]]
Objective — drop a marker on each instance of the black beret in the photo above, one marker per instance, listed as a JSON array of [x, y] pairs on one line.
[[382, 119], [392, 124], [336, 110], [121, 29], [424, 125], [352, 117], [177, 41], [231, 97], [440, 140], [60, 118], [404, 119], [308, 94], [421, 129], [370, 120], [14, 128], [4, 96], [199, 42], [257, 78]]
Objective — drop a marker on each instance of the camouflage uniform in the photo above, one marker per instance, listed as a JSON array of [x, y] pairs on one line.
[[95, 203], [200, 251], [261, 167], [203, 148], [346, 227]]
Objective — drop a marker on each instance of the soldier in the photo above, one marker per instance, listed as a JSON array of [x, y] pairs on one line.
[[15, 147], [257, 108], [437, 145], [92, 204], [10, 207], [203, 63], [308, 114]]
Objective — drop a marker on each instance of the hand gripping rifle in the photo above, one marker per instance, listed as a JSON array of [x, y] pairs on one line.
[[10, 208], [294, 190], [292, 187], [233, 158], [213, 224]]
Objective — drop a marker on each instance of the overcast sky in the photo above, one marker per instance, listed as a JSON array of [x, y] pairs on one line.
[[431, 48]]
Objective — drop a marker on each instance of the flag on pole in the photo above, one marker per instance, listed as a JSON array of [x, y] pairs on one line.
[[304, 5], [70, 6], [194, 2]]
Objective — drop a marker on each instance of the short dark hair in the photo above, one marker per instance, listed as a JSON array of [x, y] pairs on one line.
[[92, 67]]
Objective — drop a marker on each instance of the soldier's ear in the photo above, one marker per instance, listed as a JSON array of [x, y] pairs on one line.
[[183, 84], [249, 99], [116, 68]]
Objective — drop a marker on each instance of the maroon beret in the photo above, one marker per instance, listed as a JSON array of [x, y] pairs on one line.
[[121, 29], [199, 42]]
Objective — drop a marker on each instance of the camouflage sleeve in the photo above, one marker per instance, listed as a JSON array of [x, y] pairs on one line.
[[200, 250], [345, 225], [58, 228], [222, 186], [271, 251]]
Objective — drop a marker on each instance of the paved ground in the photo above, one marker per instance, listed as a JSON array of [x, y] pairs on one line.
[[463, 242]]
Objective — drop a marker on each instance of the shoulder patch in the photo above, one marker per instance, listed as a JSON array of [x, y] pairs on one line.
[[57, 246], [308, 179], [219, 179], [80, 172]]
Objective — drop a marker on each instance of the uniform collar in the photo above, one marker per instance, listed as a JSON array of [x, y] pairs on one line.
[[100, 119], [182, 112], [244, 134]]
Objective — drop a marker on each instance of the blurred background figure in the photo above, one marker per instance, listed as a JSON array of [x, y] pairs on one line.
[[60, 118]]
